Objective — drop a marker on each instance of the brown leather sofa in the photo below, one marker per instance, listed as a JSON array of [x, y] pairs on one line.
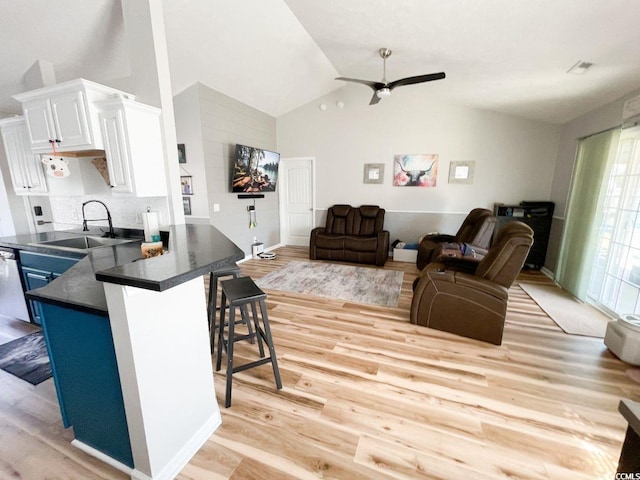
[[351, 235], [470, 298], [476, 230]]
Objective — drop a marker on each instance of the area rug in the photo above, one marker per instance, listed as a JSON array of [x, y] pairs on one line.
[[26, 358], [374, 286], [570, 314]]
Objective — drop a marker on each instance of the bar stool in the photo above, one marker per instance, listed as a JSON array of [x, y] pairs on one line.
[[232, 270], [241, 292]]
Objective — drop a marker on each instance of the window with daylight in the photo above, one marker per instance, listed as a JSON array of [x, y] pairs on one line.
[[614, 281]]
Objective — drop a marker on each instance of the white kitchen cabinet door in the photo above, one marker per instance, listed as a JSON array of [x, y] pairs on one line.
[[40, 124], [65, 114], [27, 174], [62, 119], [116, 151], [70, 121], [133, 148]]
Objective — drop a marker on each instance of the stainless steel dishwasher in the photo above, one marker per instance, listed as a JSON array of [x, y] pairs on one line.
[[12, 302]]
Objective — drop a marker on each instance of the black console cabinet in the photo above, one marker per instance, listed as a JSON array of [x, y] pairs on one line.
[[538, 216]]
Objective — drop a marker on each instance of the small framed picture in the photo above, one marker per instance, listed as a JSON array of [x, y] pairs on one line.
[[185, 183], [186, 205], [461, 172], [373, 173], [182, 153]]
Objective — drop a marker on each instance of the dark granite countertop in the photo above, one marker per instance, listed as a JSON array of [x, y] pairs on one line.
[[193, 251]]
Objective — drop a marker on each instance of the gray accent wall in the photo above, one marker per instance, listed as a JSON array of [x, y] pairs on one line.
[[224, 122]]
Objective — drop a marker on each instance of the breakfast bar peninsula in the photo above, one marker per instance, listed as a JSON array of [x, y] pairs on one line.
[[129, 346]]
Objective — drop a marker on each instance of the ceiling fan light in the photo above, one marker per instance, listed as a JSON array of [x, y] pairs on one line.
[[383, 92]]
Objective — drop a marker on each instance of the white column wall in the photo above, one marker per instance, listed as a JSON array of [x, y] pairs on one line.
[[161, 341]]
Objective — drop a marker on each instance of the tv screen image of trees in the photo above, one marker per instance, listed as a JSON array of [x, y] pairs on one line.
[[255, 170]]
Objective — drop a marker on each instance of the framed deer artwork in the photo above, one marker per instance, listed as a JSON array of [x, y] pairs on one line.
[[415, 170]]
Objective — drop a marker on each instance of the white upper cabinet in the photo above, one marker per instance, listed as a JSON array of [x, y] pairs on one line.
[[27, 173], [64, 115], [133, 148], [85, 119]]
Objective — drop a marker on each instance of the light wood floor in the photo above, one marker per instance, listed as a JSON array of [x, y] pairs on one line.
[[367, 395]]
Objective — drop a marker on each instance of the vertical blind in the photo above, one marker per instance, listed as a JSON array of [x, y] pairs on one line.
[[584, 212], [615, 276]]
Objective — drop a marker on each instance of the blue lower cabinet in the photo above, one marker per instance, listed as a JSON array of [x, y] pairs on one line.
[[34, 278], [85, 372], [40, 269]]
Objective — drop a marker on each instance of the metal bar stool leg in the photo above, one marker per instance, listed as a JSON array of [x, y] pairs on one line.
[[212, 307], [247, 320], [221, 333], [269, 340], [230, 342], [257, 327]]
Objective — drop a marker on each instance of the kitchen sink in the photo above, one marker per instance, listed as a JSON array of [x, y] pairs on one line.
[[85, 242]]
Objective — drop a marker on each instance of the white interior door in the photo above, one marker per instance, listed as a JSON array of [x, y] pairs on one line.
[[297, 200]]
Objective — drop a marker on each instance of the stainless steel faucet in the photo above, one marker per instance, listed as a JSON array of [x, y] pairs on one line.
[[108, 219]]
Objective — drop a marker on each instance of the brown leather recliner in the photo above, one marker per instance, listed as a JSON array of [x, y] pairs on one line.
[[470, 298], [476, 229], [351, 235]]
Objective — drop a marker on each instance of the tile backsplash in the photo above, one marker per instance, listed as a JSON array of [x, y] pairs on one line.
[[125, 211], [66, 210]]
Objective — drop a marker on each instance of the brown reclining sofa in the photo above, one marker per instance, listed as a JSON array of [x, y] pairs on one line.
[[351, 234]]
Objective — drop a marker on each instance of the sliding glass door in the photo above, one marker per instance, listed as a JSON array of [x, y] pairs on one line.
[[614, 283]]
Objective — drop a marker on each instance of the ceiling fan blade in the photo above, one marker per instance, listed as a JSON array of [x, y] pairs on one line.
[[368, 83], [417, 79], [375, 99]]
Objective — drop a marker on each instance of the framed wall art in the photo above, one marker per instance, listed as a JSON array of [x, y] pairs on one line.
[[373, 173], [182, 153], [185, 183], [419, 170], [186, 205], [461, 172]]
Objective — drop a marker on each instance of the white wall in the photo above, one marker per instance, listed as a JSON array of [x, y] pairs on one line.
[[514, 157]]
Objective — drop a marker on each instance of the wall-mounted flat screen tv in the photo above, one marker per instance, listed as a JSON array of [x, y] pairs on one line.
[[254, 170]]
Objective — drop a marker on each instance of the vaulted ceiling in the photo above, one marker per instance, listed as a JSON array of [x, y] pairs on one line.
[[503, 55]]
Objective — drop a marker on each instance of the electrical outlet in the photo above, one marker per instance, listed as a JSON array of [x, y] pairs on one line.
[[216, 207], [138, 217], [74, 215]]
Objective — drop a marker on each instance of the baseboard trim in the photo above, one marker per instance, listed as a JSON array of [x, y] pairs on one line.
[[277, 245], [548, 273], [250, 257], [186, 453], [101, 456], [171, 470]]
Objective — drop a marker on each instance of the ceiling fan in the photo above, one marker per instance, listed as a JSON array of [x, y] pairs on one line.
[[383, 88]]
